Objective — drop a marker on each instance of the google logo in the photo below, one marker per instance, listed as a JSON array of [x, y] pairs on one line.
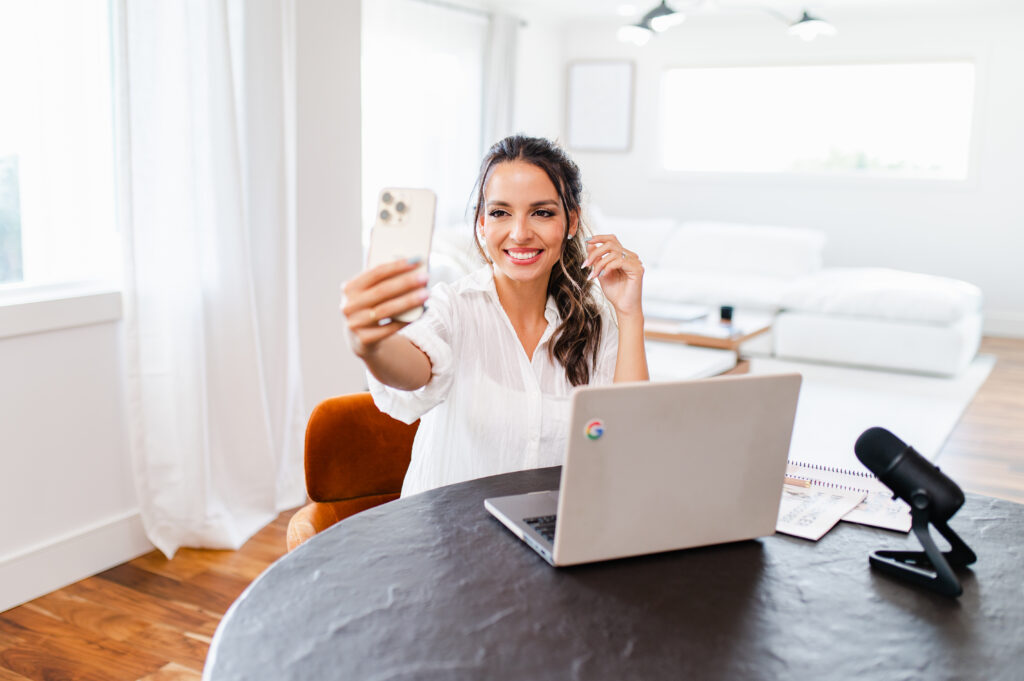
[[594, 429]]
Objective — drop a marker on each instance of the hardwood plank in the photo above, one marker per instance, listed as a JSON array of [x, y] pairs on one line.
[[229, 586], [46, 636], [185, 650], [984, 452], [191, 562], [38, 665], [104, 622], [166, 588], [177, 568], [8, 675], [95, 618], [174, 672], [178, 615], [8, 639]]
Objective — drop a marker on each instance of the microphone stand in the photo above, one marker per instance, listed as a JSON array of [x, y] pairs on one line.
[[931, 568]]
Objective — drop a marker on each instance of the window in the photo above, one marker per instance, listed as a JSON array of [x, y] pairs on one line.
[[892, 120], [422, 102], [56, 143]]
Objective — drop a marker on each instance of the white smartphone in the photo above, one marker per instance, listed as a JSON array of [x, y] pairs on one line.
[[402, 229]]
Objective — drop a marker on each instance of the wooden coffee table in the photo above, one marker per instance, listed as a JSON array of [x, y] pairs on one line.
[[705, 334], [711, 333]]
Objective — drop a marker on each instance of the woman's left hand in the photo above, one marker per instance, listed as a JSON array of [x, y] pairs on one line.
[[619, 271]]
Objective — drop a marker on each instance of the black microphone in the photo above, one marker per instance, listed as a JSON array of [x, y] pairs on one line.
[[933, 499], [908, 474]]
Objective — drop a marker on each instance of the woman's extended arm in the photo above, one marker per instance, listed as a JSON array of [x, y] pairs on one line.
[[382, 293], [621, 275]]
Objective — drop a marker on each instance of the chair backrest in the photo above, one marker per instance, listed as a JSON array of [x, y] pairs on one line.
[[354, 450]]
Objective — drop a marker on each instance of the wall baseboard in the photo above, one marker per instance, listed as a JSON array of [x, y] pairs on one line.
[[50, 566], [1004, 324]]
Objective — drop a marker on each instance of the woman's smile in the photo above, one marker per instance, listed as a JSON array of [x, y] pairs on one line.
[[524, 256]]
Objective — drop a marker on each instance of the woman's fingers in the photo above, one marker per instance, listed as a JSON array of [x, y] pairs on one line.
[[598, 245], [606, 254], [375, 275], [384, 292], [372, 316], [374, 297], [370, 325]]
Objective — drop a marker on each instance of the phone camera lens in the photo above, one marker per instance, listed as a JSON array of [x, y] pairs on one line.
[[385, 215], [400, 206], [386, 197]]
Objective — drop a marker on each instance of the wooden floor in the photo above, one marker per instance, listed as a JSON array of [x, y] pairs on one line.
[[985, 452], [148, 619], [152, 619]]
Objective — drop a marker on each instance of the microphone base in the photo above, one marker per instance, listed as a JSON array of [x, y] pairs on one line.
[[930, 568]]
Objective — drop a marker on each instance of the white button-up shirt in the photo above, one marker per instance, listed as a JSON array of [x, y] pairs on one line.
[[488, 408]]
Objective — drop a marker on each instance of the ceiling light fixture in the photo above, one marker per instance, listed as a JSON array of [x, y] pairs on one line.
[[809, 28], [663, 17], [658, 20]]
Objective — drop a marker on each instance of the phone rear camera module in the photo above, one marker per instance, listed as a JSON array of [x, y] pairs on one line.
[[385, 215], [400, 206], [386, 197]]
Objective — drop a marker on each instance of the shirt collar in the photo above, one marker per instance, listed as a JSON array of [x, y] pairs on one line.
[[483, 280]]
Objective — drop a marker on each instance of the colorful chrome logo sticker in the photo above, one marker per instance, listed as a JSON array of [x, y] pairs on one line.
[[594, 429]]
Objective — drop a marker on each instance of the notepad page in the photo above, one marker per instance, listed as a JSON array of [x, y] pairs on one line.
[[878, 509]]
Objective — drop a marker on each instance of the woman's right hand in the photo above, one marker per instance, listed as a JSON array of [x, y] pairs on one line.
[[375, 296]]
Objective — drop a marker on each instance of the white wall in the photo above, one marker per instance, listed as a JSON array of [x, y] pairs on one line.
[[540, 77], [68, 506], [328, 189], [67, 502], [972, 230]]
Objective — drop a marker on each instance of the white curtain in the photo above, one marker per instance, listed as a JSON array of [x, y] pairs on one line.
[[499, 77], [205, 144]]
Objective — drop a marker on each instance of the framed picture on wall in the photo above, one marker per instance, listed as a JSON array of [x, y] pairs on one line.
[[599, 105]]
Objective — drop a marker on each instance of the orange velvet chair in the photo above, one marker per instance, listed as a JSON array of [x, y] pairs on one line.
[[356, 458]]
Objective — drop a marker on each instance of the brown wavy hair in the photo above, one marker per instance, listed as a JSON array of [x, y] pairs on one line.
[[576, 341]]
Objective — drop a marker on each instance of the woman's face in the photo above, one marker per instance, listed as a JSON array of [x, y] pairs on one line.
[[523, 223]]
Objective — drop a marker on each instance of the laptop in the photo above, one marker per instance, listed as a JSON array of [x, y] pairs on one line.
[[653, 467]]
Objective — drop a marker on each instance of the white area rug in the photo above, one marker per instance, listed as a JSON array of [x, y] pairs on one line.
[[837, 404]]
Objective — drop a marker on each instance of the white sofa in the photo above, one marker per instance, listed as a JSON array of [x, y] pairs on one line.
[[871, 317]]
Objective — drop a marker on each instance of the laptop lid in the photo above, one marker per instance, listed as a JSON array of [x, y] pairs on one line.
[[655, 467]]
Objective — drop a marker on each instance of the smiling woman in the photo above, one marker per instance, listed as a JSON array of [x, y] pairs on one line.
[[489, 368]]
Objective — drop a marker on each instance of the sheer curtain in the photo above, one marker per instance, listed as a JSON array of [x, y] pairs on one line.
[[499, 77], [205, 148]]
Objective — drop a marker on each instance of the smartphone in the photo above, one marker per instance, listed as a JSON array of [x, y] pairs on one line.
[[402, 229]]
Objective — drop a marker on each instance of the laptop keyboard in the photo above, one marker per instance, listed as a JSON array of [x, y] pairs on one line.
[[544, 526]]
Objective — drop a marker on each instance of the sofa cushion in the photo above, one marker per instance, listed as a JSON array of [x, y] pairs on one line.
[[747, 291], [942, 349], [644, 236], [759, 250], [884, 294]]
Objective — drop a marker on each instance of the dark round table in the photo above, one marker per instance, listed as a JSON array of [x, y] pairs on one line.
[[432, 587]]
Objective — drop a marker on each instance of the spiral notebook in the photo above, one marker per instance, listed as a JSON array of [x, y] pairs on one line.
[[878, 508]]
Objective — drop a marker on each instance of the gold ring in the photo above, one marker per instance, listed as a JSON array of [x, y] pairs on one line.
[[373, 314]]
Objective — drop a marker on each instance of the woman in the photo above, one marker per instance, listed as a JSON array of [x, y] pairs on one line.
[[490, 365]]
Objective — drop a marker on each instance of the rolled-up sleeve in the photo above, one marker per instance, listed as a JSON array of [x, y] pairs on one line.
[[431, 333]]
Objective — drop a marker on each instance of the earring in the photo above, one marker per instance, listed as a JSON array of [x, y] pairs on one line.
[[571, 236]]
